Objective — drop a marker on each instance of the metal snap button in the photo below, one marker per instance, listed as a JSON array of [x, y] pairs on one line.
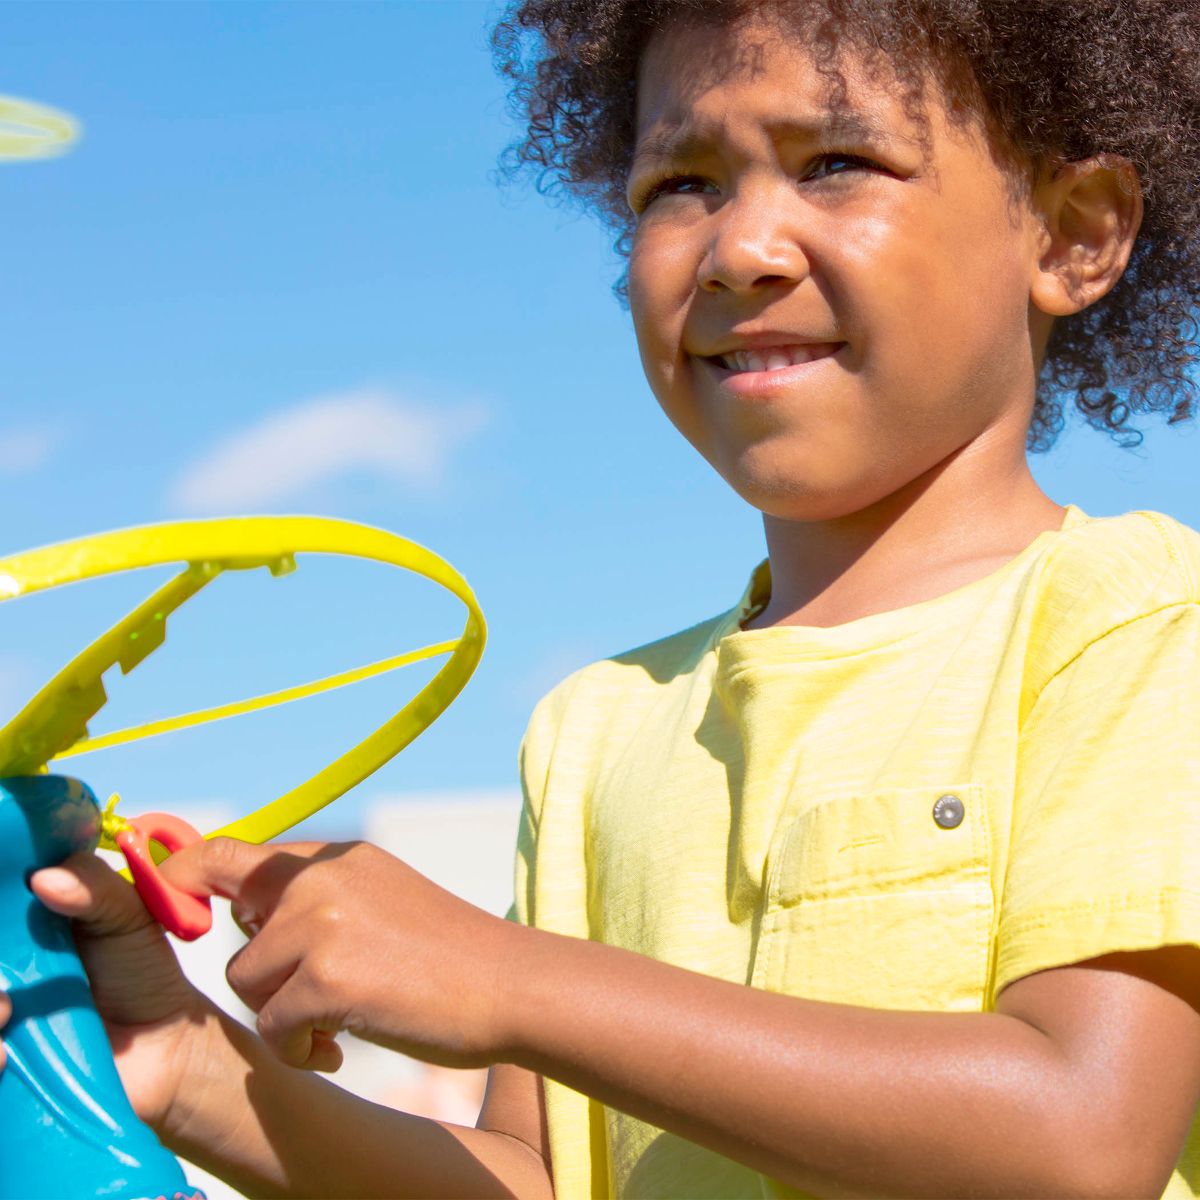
[[948, 812]]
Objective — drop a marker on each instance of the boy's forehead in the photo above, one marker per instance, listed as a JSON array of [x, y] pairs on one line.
[[692, 81]]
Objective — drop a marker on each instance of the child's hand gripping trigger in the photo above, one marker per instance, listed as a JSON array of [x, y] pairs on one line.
[[179, 912]]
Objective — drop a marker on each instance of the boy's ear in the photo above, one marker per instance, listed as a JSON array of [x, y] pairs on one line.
[[1091, 211]]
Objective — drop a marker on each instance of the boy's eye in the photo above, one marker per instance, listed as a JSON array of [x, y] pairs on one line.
[[682, 184], [674, 184], [857, 159]]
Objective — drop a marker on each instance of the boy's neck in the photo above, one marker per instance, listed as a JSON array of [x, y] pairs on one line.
[[818, 580]]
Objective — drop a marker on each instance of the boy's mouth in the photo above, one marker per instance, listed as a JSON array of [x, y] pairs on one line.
[[774, 358]]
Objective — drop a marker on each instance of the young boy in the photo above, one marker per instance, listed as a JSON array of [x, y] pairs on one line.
[[882, 882]]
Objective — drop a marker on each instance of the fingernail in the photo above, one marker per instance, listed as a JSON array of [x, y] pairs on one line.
[[55, 879]]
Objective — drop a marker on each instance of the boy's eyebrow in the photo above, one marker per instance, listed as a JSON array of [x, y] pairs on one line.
[[681, 142]]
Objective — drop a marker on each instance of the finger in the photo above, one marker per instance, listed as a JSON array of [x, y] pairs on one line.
[[297, 1026], [326, 1055], [6, 1012], [245, 918], [272, 956], [87, 889], [261, 967], [252, 875]]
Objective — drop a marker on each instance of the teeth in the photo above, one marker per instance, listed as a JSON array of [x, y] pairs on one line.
[[771, 360]]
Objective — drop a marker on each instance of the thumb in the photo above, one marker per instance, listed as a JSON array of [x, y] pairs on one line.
[[252, 876], [87, 889]]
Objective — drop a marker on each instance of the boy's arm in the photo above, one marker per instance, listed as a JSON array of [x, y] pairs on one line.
[[515, 1106], [289, 1132], [1082, 1083]]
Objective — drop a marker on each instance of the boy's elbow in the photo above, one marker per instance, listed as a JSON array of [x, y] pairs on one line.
[[1139, 1179], [1131, 1183], [1109, 1168]]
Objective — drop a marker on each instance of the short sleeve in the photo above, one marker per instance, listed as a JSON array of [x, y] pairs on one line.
[[534, 757], [525, 866], [1105, 849]]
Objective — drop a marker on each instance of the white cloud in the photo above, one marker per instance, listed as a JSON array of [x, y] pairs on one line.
[[25, 450], [369, 430]]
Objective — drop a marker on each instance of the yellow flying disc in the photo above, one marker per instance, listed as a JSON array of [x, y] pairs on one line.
[[29, 130], [53, 725]]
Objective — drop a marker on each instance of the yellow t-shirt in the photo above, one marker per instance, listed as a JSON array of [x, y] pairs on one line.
[[906, 811]]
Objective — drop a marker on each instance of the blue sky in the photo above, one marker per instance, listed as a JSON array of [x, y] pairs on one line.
[[277, 275]]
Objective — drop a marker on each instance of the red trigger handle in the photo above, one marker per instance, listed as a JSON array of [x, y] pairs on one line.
[[184, 915]]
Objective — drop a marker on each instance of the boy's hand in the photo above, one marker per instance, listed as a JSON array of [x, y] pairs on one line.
[[345, 936], [150, 1011]]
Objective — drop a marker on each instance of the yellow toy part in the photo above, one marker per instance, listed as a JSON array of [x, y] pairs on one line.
[[53, 725], [29, 130]]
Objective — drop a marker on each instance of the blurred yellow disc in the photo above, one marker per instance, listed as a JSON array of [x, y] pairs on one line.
[[31, 130]]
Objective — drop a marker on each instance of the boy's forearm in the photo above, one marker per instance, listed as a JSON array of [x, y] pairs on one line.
[[271, 1130], [835, 1100]]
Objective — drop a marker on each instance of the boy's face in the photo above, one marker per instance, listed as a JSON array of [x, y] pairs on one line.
[[757, 241]]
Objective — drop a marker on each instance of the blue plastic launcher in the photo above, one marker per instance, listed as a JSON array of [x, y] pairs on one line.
[[69, 1131]]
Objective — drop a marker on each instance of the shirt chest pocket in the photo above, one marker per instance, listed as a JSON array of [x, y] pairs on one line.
[[883, 900]]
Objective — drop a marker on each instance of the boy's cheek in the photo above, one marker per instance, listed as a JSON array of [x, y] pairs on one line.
[[644, 325], [659, 367], [660, 293], [659, 329]]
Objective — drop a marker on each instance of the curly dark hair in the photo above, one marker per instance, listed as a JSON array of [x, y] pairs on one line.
[[1053, 80]]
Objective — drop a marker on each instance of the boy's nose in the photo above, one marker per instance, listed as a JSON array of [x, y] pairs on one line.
[[754, 242]]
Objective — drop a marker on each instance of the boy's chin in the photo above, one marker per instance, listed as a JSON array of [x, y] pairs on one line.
[[782, 495], [767, 485], [778, 501]]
